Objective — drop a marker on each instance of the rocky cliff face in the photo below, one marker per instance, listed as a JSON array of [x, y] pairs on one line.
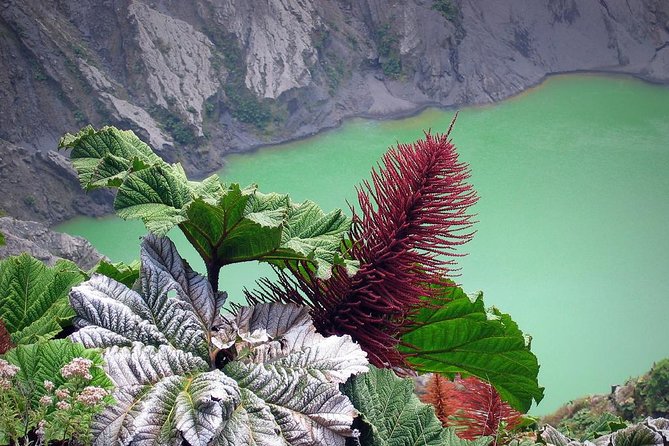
[[44, 244], [200, 79]]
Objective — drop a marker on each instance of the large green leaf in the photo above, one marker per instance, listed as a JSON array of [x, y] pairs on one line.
[[242, 225], [126, 273], [391, 413], [43, 361], [247, 225], [463, 338], [104, 157], [311, 233], [33, 297], [224, 224], [279, 384], [156, 196]]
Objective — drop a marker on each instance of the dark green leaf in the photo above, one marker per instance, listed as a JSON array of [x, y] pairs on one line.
[[33, 297], [391, 412], [225, 225], [127, 274], [463, 338]]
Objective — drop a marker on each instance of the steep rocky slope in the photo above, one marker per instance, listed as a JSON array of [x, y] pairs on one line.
[[200, 79], [44, 244]]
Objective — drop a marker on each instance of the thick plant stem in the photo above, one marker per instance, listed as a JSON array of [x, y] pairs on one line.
[[213, 271]]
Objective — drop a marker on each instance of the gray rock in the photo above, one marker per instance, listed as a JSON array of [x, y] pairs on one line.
[[44, 244], [175, 71]]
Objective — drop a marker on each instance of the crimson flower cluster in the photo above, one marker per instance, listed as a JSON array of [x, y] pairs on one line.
[[413, 215]]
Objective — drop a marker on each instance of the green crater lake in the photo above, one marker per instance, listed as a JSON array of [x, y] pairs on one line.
[[573, 233]]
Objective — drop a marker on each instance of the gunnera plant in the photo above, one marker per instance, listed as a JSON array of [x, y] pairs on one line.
[[184, 374], [375, 286]]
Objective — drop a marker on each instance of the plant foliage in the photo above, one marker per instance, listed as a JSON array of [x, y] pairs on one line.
[[185, 374], [472, 406], [225, 224], [392, 415], [126, 273], [650, 432], [462, 337], [589, 424], [414, 215], [267, 375], [43, 361], [33, 297], [391, 411], [654, 389], [50, 392]]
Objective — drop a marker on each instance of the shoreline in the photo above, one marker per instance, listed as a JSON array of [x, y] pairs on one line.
[[398, 115], [420, 108]]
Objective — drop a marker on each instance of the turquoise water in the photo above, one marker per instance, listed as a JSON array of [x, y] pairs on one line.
[[572, 237]]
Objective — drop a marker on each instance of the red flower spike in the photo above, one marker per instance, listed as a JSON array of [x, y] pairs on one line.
[[5, 339], [470, 405], [440, 393], [414, 214]]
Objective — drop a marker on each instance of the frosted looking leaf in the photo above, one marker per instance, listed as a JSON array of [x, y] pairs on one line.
[[279, 383]]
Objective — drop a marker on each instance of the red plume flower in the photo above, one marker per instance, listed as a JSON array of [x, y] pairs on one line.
[[440, 393], [5, 339], [470, 405], [414, 214]]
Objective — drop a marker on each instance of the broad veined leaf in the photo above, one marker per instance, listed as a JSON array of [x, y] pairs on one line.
[[33, 297], [279, 384], [125, 273], [251, 424], [298, 400], [463, 338], [451, 439], [224, 224], [243, 225], [392, 415], [280, 358], [248, 225], [156, 196], [104, 157], [311, 233], [284, 336], [109, 313], [42, 361], [163, 395]]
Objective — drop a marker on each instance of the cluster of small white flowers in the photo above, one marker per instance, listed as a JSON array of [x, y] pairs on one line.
[[48, 385], [40, 428], [62, 394], [46, 400], [77, 367], [63, 405], [91, 395], [7, 370]]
